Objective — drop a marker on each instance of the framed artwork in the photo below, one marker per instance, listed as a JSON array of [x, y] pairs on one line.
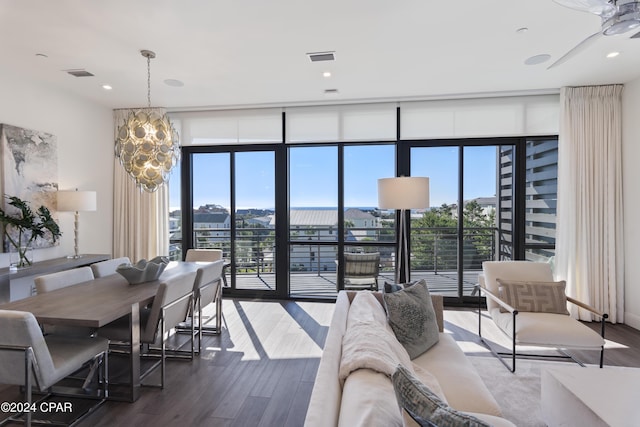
[[29, 170]]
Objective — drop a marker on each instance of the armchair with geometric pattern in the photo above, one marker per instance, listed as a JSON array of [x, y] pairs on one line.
[[531, 309]]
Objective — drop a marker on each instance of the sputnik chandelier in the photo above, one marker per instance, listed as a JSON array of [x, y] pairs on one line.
[[147, 143]]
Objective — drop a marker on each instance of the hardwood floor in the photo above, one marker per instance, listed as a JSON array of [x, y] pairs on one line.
[[260, 371]]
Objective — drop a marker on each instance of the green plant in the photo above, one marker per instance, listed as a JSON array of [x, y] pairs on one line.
[[29, 226]]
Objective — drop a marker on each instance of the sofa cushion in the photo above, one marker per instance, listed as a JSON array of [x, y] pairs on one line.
[[368, 400], [458, 378], [424, 407], [412, 317], [368, 341], [542, 297]]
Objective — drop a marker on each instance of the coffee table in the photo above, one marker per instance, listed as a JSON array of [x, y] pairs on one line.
[[577, 396]]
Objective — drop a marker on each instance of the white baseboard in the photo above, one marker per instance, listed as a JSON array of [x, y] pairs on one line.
[[632, 320]]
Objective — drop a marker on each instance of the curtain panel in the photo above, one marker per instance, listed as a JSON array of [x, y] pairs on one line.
[[589, 246], [140, 219]]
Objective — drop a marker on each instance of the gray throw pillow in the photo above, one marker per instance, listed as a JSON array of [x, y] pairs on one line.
[[395, 287], [412, 318], [538, 297], [424, 406]]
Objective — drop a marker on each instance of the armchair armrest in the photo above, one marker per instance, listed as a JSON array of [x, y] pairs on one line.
[[588, 308], [497, 299]]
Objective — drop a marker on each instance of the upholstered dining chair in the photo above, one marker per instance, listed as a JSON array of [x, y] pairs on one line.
[[531, 309], [30, 359], [203, 255], [208, 290], [105, 268], [62, 279], [170, 307], [361, 270]]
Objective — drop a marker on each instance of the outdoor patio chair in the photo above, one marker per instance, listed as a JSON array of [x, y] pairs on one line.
[[531, 309], [361, 271]]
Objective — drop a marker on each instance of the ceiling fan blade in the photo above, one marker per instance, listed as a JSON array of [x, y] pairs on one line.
[[598, 7], [577, 49]]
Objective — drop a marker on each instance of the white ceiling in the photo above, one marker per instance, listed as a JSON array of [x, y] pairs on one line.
[[251, 53]]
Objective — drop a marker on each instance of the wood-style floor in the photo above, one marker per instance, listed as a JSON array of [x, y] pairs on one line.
[[260, 371]]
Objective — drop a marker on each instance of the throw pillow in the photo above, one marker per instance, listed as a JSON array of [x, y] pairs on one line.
[[541, 297], [395, 287], [424, 407], [412, 318]]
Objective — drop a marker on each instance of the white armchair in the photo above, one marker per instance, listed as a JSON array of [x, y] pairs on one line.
[[529, 308]]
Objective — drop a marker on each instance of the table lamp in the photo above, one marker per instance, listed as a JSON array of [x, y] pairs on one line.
[[76, 201]]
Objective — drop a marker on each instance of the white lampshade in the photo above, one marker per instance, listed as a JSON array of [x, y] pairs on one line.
[[406, 192], [75, 201]]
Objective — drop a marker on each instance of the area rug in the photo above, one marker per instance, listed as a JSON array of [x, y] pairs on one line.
[[518, 394]]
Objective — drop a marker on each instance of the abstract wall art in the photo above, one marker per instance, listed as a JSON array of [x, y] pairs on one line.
[[29, 169]]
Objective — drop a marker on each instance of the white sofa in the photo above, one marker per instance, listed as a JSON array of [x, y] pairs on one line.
[[368, 396]]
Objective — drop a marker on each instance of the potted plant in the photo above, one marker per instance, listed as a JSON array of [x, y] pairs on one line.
[[29, 227]]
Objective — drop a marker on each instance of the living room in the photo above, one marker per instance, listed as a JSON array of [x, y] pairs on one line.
[[38, 95]]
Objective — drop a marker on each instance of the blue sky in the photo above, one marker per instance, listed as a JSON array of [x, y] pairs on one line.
[[314, 175]]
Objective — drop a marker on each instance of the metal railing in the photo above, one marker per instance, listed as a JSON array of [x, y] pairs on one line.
[[314, 249]]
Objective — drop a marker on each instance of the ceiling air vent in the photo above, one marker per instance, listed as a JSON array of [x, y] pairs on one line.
[[79, 73], [322, 56]]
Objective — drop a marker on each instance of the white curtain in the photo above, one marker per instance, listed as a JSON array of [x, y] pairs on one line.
[[589, 247], [140, 219]]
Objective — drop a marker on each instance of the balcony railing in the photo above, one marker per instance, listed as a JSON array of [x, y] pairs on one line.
[[314, 249]]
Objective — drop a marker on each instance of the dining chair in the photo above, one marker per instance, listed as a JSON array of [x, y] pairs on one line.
[[62, 279], [207, 290], [203, 255], [170, 307], [30, 359], [108, 267]]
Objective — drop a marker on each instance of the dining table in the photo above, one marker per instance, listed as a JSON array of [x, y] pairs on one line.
[[98, 302]]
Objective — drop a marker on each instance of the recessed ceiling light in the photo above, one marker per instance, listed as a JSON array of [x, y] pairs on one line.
[[107, 87], [612, 54], [174, 83], [537, 59], [522, 30], [326, 74]]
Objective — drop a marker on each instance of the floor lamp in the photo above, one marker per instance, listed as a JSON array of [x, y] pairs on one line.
[[76, 201], [403, 193]]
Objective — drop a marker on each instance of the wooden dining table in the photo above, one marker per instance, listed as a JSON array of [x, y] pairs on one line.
[[99, 301]]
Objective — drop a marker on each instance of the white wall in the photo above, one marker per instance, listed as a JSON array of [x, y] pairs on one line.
[[84, 133], [631, 194]]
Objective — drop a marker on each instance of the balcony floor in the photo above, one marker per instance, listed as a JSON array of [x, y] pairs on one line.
[[323, 285]]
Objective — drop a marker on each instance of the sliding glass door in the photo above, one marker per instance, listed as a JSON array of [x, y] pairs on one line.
[[234, 209]]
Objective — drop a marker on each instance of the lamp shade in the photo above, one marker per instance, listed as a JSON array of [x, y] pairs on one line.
[[75, 201], [406, 192]]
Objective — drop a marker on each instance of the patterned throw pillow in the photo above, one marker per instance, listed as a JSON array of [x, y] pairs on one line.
[[424, 407], [395, 287], [412, 318], [540, 297]]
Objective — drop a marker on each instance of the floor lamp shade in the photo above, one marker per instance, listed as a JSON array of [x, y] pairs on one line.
[[403, 193], [76, 201], [406, 192]]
